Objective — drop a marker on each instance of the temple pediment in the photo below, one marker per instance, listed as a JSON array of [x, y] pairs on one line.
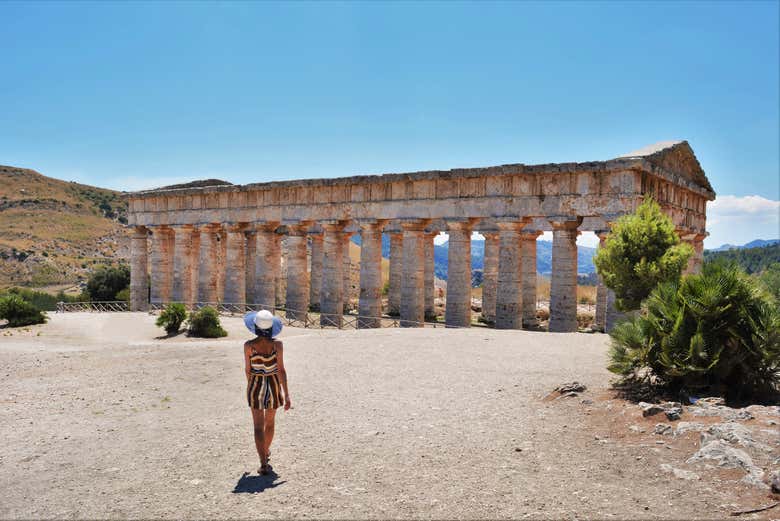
[[675, 157]]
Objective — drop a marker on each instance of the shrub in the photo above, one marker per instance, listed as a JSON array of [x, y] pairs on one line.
[[716, 331], [640, 252], [770, 280], [19, 312], [204, 323], [107, 281], [123, 295], [172, 317]]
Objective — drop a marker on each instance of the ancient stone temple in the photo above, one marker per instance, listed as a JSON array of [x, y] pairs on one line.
[[221, 242]]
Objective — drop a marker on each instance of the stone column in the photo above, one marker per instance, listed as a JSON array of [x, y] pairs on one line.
[[235, 264], [332, 291], [458, 304], [162, 264], [600, 319], [139, 277], [183, 261], [347, 272], [528, 270], [267, 264], [370, 303], [281, 280], [412, 283], [315, 281], [563, 282], [695, 262], [297, 300], [490, 276], [208, 274], [221, 263], [509, 298], [396, 273], [429, 276], [613, 316], [251, 261]]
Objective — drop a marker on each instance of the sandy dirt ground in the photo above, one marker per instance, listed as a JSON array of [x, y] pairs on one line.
[[101, 420]]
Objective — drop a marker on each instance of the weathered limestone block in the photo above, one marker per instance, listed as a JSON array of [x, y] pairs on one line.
[[221, 263], [412, 283], [509, 298], [162, 264], [458, 305], [563, 282], [207, 275], [297, 301], [332, 292], [490, 276], [267, 264], [528, 269], [429, 275], [396, 273], [139, 285], [315, 281], [370, 303], [695, 262]]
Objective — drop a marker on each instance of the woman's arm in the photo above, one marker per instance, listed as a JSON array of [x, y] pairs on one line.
[[283, 374], [247, 364]]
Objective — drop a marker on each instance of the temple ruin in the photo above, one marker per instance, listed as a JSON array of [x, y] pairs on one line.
[[221, 243]]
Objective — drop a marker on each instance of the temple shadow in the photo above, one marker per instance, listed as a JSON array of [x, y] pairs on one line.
[[255, 484]]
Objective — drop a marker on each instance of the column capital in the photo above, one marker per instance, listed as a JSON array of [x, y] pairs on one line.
[[530, 235], [461, 223], [139, 232], [510, 226], [236, 227], [264, 226], [333, 225], [490, 234], [565, 222], [414, 224], [297, 228], [371, 224]]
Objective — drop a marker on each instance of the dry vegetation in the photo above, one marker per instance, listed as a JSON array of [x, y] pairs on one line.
[[53, 232]]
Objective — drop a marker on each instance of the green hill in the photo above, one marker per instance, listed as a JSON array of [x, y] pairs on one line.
[[752, 260]]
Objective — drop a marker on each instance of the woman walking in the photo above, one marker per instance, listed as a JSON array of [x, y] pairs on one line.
[[266, 380]]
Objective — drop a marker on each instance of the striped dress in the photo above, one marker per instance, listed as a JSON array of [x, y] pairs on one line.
[[263, 389]]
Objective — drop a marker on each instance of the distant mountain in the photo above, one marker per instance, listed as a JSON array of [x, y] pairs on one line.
[[543, 256], [758, 243]]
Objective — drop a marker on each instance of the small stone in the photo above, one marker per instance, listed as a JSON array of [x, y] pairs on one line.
[[684, 427], [673, 413], [774, 481], [518, 449], [650, 409], [725, 456], [679, 473], [636, 428], [569, 387], [710, 400], [587, 401], [662, 428]]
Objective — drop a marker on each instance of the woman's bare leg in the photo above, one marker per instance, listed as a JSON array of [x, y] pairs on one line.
[[270, 416], [258, 418]]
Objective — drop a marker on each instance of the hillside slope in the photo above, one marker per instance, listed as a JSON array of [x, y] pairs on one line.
[[52, 231]]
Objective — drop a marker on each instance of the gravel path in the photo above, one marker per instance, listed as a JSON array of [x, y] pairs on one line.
[[100, 419]]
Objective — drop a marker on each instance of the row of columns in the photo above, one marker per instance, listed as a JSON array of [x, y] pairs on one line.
[[239, 263]]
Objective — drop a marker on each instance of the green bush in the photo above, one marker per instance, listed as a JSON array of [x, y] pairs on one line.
[[124, 295], [172, 317], [640, 252], [717, 331], [770, 280], [19, 312], [204, 323], [107, 281]]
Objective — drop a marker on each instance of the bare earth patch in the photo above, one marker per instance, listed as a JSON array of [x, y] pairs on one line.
[[100, 419]]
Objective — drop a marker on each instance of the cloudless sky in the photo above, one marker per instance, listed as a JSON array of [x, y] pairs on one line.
[[133, 95]]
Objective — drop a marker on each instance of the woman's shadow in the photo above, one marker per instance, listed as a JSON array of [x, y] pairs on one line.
[[255, 484]]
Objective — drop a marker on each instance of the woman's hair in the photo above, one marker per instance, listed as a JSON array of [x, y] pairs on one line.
[[264, 333]]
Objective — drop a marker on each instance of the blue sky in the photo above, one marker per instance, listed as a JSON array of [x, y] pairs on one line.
[[134, 95]]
